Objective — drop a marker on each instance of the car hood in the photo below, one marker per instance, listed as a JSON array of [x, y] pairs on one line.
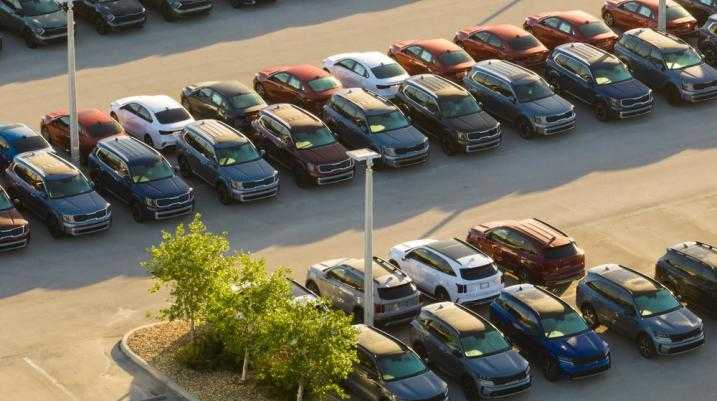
[[676, 322], [625, 89], [700, 73], [581, 345], [11, 218], [399, 138], [481, 121], [86, 203], [166, 188], [249, 171], [58, 19], [333, 153], [504, 364], [121, 7], [420, 387], [549, 105], [248, 110]]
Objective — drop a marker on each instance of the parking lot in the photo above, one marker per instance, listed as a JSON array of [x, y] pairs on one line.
[[625, 190]]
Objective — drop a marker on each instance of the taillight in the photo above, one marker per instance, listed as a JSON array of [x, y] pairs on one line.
[[377, 308], [462, 288]]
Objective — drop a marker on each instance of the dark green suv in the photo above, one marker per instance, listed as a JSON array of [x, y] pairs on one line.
[[38, 21]]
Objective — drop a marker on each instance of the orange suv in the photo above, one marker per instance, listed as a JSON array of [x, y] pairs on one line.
[[532, 249]]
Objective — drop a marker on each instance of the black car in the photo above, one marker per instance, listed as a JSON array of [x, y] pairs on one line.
[[689, 270], [362, 119], [112, 15], [38, 21], [707, 40], [700, 9], [229, 101], [174, 9], [449, 113]]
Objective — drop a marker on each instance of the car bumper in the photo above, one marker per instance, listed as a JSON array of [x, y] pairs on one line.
[[485, 143], [674, 348], [581, 371], [77, 229], [638, 110], [557, 127], [252, 194], [505, 390], [389, 92], [14, 242], [166, 141], [116, 26], [201, 8], [408, 159], [47, 39], [163, 213], [480, 297], [699, 95], [567, 275], [334, 178]]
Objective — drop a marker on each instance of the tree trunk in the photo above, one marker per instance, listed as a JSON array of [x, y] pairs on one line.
[[300, 392], [245, 366], [193, 329]]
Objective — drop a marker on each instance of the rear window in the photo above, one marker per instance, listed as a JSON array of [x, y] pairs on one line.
[[30, 143], [593, 29], [172, 116], [104, 129], [560, 252], [455, 57], [524, 42], [388, 71], [477, 273], [324, 84], [401, 291]]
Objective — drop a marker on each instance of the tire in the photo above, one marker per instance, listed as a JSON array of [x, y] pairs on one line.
[[184, 168], [225, 197], [447, 146], [137, 212], [609, 19], [54, 226], [554, 80], [301, 178], [29, 39], [259, 88], [590, 315], [98, 183], [167, 13], [470, 390], [148, 140], [646, 346], [525, 130], [673, 95], [442, 295], [551, 370], [311, 286], [357, 315], [601, 111]]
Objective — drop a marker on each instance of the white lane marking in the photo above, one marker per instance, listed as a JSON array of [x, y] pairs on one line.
[[50, 378]]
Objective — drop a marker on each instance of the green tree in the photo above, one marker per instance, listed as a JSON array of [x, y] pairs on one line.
[[194, 264], [306, 348]]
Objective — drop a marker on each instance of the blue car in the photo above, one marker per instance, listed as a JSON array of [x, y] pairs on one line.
[[668, 64], [58, 193], [544, 325], [141, 177], [227, 160], [640, 308], [16, 139], [598, 79], [469, 348], [520, 96]]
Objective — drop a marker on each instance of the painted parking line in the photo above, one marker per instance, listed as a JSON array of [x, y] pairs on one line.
[[51, 379]]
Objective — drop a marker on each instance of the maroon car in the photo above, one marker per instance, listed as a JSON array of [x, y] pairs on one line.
[[558, 27], [503, 42], [304, 85], [14, 229], [533, 250], [93, 125], [432, 56], [629, 14]]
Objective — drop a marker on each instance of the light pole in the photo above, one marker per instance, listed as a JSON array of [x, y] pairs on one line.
[[367, 155], [71, 85], [662, 16]]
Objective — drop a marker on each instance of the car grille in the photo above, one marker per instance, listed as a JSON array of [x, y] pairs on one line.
[[170, 201], [685, 336], [96, 215], [120, 19], [508, 379], [705, 85], [558, 117], [254, 184], [419, 147], [635, 100], [12, 232], [588, 359], [476, 136], [327, 168]]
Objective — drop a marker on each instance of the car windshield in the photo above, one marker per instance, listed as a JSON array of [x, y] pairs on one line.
[[103, 129], [558, 325], [30, 143], [388, 71], [324, 84], [457, 106], [655, 302], [682, 59], [676, 12], [245, 100], [531, 90], [610, 73], [151, 170], [313, 138], [487, 342], [67, 186], [524, 42], [455, 57], [5, 202], [593, 28], [387, 122], [236, 154], [171, 116], [32, 8], [400, 366]]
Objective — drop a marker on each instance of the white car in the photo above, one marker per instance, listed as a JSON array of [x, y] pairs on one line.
[[372, 71], [450, 270], [156, 120]]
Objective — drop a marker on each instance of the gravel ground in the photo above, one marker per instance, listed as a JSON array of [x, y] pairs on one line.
[[158, 346]]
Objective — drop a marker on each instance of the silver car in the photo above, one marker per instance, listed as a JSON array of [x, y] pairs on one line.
[[396, 298]]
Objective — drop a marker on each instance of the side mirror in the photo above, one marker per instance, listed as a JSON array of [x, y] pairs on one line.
[[262, 152]]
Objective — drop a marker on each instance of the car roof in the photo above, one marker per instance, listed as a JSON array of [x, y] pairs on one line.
[[377, 270], [305, 72], [575, 17], [659, 39], [436, 46], [370, 59], [456, 317], [503, 31], [47, 163], [129, 149], [701, 251], [536, 299], [542, 232], [653, 4], [586, 52], [455, 250], [626, 278], [293, 116], [15, 131], [368, 102], [227, 88], [376, 342], [88, 117], [506, 70], [217, 132], [437, 85], [155, 103]]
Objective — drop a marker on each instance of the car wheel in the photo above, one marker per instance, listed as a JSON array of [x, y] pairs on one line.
[[137, 212], [601, 111], [55, 229], [447, 146], [259, 88], [357, 315], [167, 13], [313, 288], [673, 95], [590, 315], [646, 346], [609, 19], [554, 80], [551, 370], [95, 178], [148, 140], [301, 178], [184, 168], [442, 295], [29, 39], [470, 388], [225, 197], [525, 130]]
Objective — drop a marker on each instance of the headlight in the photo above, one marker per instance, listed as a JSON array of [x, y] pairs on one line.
[[661, 337], [108, 15], [311, 167], [174, 3], [68, 218], [237, 185], [688, 87], [540, 119], [37, 27], [613, 102], [462, 136], [485, 382], [389, 151], [150, 202]]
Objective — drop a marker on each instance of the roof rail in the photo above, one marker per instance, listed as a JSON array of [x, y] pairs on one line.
[[704, 244], [469, 245], [551, 226], [389, 266]]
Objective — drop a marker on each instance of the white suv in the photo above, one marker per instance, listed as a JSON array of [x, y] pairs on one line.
[[450, 270]]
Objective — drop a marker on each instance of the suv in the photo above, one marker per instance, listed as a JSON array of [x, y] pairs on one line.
[[16, 139], [226, 160], [598, 79], [39, 22], [449, 113], [301, 142], [364, 120], [707, 40], [141, 177], [227, 101], [341, 282], [450, 270], [58, 193], [668, 64], [520, 96], [700, 9], [532, 249], [543, 324], [689, 269], [640, 308], [467, 346], [14, 229], [112, 15], [388, 370]]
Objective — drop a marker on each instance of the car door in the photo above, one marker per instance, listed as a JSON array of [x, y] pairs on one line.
[[415, 264], [201, 103], [415, 104], [528, 325], [412, 60], [128, 116], [358, 131], [219, 108], [626, 15], [340, 121], [603, 303], [208, 166], [23, 186], [526, 252], [443, 346], [565, 33], [438, 273], [505, 100], [336, 287], [364, 378], [641, 65], [646, 17], [694, 278], [477, 46], [342, 70], [5, 154], [625, 319], [547, 31], [276, 87], [59, 132], [497, 240], [358, 76], [577, 80], [115, 176]]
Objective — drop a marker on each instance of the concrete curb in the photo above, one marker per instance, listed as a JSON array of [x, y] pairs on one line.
[[161, 377]]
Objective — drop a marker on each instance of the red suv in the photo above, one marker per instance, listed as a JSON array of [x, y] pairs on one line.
[[629, 14], [504, 42], [93, 125], [432, 56], [14, 229], [304, 85], [558, 27], [532, 249]]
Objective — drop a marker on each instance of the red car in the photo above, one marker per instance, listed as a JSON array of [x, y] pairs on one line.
[[14, 229], [93, 126], [504, 42], [629, 14], [557, 27], [433, 56], [304, 85]]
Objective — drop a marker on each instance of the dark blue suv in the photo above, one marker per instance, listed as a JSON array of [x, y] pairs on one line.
[[141, 177], [16, 139], [638, 307], [58, 193], [544, 325], [465, 345], [227, 160], [518, 95], [598, 79], [668, 64]]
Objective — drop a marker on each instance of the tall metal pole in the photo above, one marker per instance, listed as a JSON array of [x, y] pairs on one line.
[[368, 246], [71, 86], [662, 16]]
